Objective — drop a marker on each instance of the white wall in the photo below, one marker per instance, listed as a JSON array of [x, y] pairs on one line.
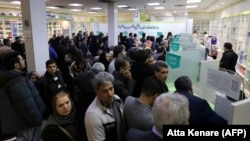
[[177, 18], [234, 9], [201, 16]]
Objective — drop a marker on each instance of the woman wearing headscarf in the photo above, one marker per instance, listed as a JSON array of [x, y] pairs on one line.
[[105, 59], [64, 124]]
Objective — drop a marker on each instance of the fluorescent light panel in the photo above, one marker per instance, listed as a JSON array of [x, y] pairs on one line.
[[193, 1], [191, 6], [52, 7], [76, 4], [153, 4], [96, 8], [16, 2], [132, 9], [159, 8], [168, 14], [122, 6]]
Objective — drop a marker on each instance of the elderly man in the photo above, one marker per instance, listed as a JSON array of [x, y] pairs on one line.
[[168, 109], [103, 118]]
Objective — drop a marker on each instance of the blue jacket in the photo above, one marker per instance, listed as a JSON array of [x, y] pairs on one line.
[[20, 104], [140, 135], [200, 111]]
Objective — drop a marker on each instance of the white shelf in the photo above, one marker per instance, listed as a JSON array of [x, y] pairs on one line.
[[240, 73], [242, 65]]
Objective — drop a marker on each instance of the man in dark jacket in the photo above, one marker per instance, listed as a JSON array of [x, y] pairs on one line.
[[18, 46], [161, 74], [21, 108], [200, 111], [51, 83], [123, 83], [140, 70], [229, 58], [85, 91]]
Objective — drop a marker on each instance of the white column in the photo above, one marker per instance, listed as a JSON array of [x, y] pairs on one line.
[[112, 25], [189, 28], [35, 34]]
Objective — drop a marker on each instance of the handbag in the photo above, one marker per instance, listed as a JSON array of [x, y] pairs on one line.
[[67, 133], [214, 51]]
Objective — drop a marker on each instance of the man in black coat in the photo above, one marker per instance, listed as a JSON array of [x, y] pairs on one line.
[[229, 58], [123, 83], [85, 91]]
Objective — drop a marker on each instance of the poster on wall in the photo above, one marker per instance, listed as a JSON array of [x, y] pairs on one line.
[[152, 29]]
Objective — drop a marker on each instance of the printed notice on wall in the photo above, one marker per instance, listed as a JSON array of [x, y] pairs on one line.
[[224, 82]]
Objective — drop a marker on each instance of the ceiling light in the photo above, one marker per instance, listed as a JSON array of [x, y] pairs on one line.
[[191, 6], [96, 8], [168, 14], [122, 6], [193, 1], [153, 4], [75, 4], [159, 8], [75, 10], [222, 3], [91, 12], [16, 2], [52, 7], [132, 9]]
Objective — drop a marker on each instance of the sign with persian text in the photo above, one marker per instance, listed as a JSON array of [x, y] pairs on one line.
[[150, 28]]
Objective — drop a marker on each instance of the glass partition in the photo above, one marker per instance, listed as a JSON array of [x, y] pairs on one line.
[[184, 63]]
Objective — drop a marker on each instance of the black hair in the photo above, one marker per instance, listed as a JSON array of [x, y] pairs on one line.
[[158, 65], [6, 41], [120, 63], [10, 60], [183, 83], [141, 55], [151, 86], [117, 49], [50, 61], [228, 45]]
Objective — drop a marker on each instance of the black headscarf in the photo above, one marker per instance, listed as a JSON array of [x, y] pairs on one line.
[[57, 119]]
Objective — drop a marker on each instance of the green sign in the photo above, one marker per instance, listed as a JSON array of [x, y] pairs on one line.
[[178, 36], [174, 46], [159, 34], [176, 39], [140, 33], [173, 60], [125, 33]]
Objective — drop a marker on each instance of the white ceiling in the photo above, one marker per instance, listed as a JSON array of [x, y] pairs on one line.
[[172, 6]]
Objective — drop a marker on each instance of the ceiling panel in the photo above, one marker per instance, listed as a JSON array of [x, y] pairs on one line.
[[169, 5]]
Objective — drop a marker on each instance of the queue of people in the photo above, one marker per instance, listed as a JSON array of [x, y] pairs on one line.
[[123, 97]]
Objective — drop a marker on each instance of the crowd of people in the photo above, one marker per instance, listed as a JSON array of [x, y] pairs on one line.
[[94, 92]]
